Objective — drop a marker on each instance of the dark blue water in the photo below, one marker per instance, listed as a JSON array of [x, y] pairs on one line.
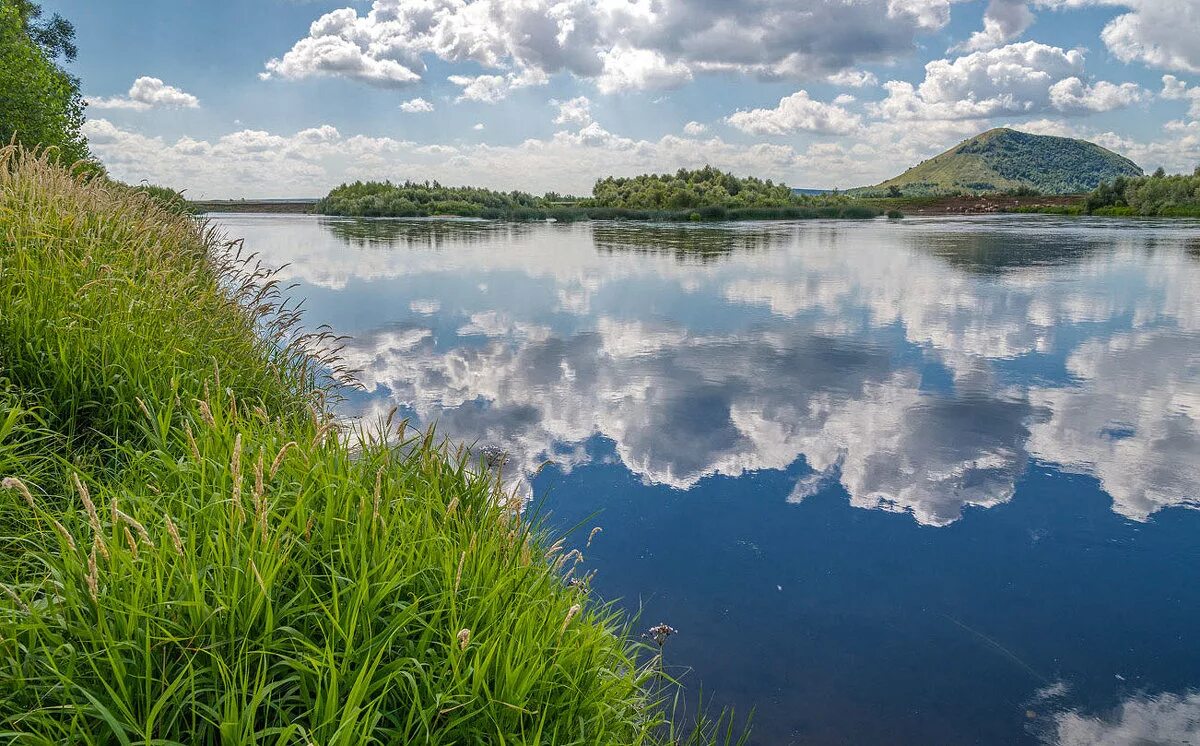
[[928, 481]]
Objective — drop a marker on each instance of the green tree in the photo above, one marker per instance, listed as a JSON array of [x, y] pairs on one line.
[[40, 103]]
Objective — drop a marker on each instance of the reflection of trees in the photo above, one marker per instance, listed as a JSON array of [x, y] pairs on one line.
[[1193, 248], [688, 243], [371, 232], [994, 252]]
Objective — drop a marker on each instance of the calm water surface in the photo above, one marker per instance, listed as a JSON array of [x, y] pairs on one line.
[[929, 481]]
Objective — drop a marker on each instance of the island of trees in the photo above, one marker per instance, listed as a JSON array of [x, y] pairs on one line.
[[701, 194]]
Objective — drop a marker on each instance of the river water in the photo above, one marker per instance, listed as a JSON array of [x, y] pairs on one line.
[[905, 482]]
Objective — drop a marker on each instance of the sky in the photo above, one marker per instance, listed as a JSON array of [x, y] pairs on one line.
[[288, 98]]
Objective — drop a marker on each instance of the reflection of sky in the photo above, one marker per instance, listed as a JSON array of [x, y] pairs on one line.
[[719, 396], [920, 365]]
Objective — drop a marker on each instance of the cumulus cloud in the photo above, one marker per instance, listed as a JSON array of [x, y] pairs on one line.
[[695, 129], [575, 111], [853, 78], [797, 113], [1018, 79], [148, 93], [1003, 21], [416, 106], [1158, 33], [621, 44], [1177, 90], [569, 161], [626, 68]]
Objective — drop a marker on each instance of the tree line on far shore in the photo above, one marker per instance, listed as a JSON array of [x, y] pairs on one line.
[[701, 194]]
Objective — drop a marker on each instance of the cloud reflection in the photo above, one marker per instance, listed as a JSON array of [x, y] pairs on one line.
[[920, 365]]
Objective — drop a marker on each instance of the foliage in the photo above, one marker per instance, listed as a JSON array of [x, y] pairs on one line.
[[192, 552], [40, 103], [704, 194], [1008, 161], [166, 197], [1156, 195], [683, 190], [423, 199]]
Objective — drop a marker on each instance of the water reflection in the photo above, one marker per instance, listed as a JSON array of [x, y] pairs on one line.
[[1142, 720], [749, 405], [413, 232], [689, 243], [881, 365]]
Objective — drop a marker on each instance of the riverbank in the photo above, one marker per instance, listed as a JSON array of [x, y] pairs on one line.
[[224, 562]]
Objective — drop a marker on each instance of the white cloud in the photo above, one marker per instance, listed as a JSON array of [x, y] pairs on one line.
[[1158, 33], [618, 43], [489, 89], [1003, 21], [694, 129], [416, 106], [1177, 90], [626, 68], [796, 113], [853, 78], [148, 93], [1072, 95], [575, 111], [478, 127], [1019, 79]]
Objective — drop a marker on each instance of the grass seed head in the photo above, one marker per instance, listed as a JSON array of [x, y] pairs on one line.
[[12, 483]]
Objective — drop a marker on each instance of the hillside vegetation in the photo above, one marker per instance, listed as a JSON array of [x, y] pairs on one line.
[[193, 552], [702, 194], [1158, 195], [1005, 160]]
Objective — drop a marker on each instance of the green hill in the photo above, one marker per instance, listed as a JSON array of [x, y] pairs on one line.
[[1002, 160]]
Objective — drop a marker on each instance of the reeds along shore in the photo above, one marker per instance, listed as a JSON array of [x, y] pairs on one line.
[[192, 551]]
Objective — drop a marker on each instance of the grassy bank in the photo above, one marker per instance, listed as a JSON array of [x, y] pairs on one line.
[[192, 552]]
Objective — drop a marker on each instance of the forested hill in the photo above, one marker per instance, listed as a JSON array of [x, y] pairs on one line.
[[1005, 160]]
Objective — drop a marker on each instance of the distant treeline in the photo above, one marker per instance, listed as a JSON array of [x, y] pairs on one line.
[[1157, 195], [702, 194]]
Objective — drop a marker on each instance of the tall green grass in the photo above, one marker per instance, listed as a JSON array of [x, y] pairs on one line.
[[194, 552]]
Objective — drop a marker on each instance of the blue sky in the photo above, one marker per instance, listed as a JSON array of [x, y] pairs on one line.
[[275, 98]]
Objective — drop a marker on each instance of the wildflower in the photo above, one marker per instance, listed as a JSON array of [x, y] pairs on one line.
[[464, 637], [660, 632]]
